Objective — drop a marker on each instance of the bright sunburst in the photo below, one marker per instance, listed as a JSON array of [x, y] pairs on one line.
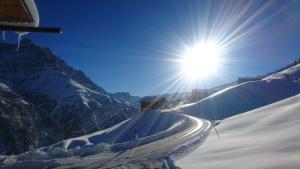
[[200, 60]]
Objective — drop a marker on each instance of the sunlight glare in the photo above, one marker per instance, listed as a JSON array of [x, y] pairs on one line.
[[200, 61]]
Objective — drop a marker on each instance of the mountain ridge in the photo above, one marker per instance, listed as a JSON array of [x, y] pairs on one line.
[[247, 96], [74, 102]]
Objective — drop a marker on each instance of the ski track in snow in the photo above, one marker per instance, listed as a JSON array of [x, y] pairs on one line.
[[153, 147]]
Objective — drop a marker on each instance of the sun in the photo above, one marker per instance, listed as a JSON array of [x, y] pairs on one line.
[[200, 60]]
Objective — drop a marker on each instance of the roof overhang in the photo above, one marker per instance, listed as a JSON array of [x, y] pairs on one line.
[[15, 11], [21, 16]]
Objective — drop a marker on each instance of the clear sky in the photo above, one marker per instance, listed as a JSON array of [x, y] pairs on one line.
[[131, 45]]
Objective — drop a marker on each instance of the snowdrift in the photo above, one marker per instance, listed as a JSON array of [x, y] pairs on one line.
[[247, 96], [264, 138]]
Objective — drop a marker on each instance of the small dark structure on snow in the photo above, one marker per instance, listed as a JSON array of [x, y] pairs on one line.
[[153, 103]]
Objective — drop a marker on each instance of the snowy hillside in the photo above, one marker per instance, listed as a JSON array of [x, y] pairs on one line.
[[247, 96], [140, 126], [143, 140], [264, 138], [67, 96]]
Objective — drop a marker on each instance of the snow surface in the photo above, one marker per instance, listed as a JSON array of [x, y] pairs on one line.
[[148, 136], [148, 126], [251, 140], [246, 96], [264, 138]]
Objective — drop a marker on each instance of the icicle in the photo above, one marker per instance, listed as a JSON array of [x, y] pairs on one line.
[[19, 41], [3, 35]]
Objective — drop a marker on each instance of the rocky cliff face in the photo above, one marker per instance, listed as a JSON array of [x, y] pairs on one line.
[[73, 104], [126, 97], [22, 125]]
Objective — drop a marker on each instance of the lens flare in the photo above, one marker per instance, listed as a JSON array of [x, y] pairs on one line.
[[200, 60]]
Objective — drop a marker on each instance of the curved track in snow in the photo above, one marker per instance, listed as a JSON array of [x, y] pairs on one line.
[[143, 149], [155, 150]]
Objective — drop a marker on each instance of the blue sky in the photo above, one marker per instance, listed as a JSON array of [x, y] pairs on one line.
[[129, 45]]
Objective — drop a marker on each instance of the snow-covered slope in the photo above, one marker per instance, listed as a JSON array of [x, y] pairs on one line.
[[148, 124], [265, 138], [143, 139], [247, 96], [67, 96]]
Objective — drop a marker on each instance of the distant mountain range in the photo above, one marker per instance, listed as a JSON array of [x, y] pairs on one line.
[[43, 100], [126, 97]]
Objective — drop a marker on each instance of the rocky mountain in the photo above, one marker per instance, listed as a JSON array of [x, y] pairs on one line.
[[126, 97], [47, 88], [22, 125]]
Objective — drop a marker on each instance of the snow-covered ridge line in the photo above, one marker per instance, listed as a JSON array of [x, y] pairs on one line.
[[246, 96]]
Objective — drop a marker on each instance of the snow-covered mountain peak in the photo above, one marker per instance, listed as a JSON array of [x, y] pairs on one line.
[[4, 87], [75, 103]]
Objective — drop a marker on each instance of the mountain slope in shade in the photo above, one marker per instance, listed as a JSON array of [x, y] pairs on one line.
[[264, 138], [67, 96], [22, 125], [247, 96], [126, 97]]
